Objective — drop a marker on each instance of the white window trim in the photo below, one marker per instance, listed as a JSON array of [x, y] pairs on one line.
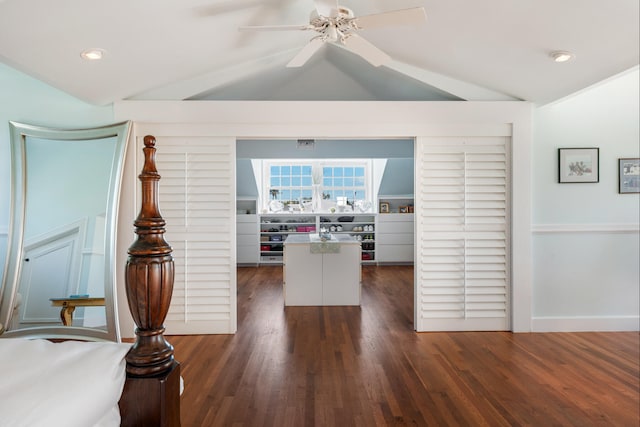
[[265, 182]]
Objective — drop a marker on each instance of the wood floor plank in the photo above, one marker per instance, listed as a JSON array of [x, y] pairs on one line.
[[365, 366]]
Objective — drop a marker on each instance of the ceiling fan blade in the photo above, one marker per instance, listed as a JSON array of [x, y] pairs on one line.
[[326, 8], [413, 16], [275, 28], [372, 54], [307, 52]]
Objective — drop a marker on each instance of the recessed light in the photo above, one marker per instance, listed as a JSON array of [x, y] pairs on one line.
[[93, 54], [561, 56]]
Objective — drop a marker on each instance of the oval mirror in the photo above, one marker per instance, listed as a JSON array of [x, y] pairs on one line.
[[58, 279]]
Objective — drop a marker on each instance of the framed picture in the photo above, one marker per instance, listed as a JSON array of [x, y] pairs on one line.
[[629, 176], [384, 207], [578, 165], [403, 209]]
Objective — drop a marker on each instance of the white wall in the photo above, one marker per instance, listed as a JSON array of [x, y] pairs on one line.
[[362, 120], [586, 241]]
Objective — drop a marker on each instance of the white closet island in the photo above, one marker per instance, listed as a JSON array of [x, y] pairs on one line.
[[320, 272]]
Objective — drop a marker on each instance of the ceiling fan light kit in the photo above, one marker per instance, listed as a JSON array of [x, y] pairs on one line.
[[337, 24]]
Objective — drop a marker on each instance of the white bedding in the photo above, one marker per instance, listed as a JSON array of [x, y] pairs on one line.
[[60, 384]]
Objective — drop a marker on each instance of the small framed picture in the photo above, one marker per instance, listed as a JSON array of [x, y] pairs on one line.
[[384, 207], [578, 165], [403, 209], [629, 176]]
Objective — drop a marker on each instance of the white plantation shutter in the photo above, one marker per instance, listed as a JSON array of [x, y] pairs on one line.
[[197, 200], [462, 208]]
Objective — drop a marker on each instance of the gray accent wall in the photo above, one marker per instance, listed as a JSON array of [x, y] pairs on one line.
[[397, 178], [325, 149], [246, 185], [352, 79]]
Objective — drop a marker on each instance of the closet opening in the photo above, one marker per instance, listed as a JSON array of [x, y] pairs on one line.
[[358, 189]]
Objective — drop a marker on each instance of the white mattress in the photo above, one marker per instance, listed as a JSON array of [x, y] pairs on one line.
[[70, 384]]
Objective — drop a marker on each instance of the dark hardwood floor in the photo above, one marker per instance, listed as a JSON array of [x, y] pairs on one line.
[[365, 366]]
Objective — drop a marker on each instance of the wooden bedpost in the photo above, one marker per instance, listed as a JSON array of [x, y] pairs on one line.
[[151, 395]]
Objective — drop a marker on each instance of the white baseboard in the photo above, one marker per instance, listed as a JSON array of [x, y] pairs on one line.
[[586, 324]]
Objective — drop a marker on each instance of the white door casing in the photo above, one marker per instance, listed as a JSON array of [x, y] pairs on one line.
[[49, 270]]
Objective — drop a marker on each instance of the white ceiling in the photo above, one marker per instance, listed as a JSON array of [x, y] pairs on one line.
[[191, 49]]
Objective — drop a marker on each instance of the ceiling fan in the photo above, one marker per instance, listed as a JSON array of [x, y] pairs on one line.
[[337, 24]]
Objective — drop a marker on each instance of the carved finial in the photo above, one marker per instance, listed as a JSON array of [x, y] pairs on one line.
[[149, 276], [149, 171], [149, 141]]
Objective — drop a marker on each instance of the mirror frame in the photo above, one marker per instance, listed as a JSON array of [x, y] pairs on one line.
[[11, 277]]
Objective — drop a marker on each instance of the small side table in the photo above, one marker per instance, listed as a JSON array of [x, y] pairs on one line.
[[69, 305]]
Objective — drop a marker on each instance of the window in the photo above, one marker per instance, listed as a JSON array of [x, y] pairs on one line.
[[291, 181], [344, 181]]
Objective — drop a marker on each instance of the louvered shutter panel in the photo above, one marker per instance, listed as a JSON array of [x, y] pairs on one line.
[[197, 200], [462, 269]]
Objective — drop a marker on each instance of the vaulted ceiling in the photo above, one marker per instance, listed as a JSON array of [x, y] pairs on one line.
[[192, 49]]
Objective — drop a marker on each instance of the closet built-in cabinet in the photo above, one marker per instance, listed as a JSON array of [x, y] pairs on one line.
[[395, 229], [247, 250], [384, 237], [395, 237], [274, 229]]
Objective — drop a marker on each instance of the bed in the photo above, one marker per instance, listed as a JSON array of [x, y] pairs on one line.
[[83, 384]]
